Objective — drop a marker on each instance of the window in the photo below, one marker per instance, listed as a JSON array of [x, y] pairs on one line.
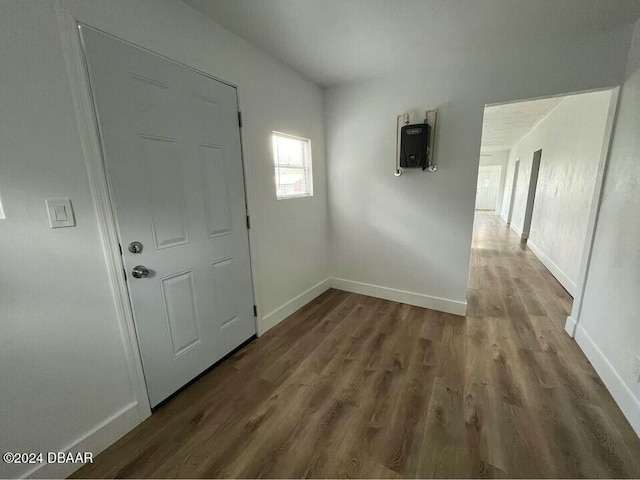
[[292, 159]]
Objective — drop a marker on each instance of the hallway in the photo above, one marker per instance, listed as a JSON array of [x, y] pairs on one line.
[[354, 386], [506, 277], [547, 387]]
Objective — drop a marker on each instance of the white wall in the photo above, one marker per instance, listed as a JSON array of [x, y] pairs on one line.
[[62, 362], [413, 233], [498, 158], [609, 319], [571, 138]]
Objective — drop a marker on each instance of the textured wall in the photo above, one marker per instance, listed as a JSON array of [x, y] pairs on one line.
[[413, 233], [609, 323], [570, 137]]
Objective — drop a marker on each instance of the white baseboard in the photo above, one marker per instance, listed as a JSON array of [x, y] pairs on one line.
[[410, 298], [570, 326], [94, 441], [517, 230], [624, 397], [272, 319], [555, 270]]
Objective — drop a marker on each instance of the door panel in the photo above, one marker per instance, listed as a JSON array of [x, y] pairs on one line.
[[215, 182], [166, 200], [171, 145], [487, 190], [182, 313], [225, 277], [150, 95]]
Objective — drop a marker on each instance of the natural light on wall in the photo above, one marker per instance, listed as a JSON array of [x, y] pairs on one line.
[[292, 159]]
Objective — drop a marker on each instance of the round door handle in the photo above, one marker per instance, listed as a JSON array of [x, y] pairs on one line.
[[140, 271]]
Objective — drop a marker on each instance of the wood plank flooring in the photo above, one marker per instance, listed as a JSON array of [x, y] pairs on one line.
[[353, 386]]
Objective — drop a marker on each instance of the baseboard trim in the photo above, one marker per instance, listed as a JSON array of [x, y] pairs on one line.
[[624, 397], [95, 441], [275, 317], [402, 296], [555, 270], [570, 326], [516, 229]]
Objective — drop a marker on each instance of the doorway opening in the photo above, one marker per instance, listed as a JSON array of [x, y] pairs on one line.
[[490, 186], [530, 251]]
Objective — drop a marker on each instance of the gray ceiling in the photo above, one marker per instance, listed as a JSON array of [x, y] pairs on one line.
[[337, 41]]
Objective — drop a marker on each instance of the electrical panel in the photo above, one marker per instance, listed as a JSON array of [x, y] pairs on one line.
[[414, 146], [415, 143]]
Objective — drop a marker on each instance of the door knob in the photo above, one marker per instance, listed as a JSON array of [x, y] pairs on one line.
[[140, 271]]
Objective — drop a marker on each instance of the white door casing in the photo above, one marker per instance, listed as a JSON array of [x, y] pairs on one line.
[[514, 187], [531, 195], [488, 186], [171, 144]]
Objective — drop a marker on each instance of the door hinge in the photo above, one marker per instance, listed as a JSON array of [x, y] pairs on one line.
[[124, 271], [120, 248], [248, 222], [255, 311], [240, 119]]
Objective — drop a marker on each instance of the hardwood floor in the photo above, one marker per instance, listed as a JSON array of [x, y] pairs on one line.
[[353, 386]]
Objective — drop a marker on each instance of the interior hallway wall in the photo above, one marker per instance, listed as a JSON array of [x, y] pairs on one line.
[[409, 237], [571, 138], [609, 326], [62, 362]]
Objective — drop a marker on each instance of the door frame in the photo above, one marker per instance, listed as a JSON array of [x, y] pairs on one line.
[[532, 188], [573, 320], [514, 186], [69, 26], [493, 168]]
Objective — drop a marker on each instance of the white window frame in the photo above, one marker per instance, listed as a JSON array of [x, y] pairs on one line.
[[307, 168]]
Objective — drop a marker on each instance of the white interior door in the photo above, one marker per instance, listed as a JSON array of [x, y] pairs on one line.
[[488, 186], [171, 144]]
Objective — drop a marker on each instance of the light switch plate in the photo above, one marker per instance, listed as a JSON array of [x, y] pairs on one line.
[[60, 212]]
